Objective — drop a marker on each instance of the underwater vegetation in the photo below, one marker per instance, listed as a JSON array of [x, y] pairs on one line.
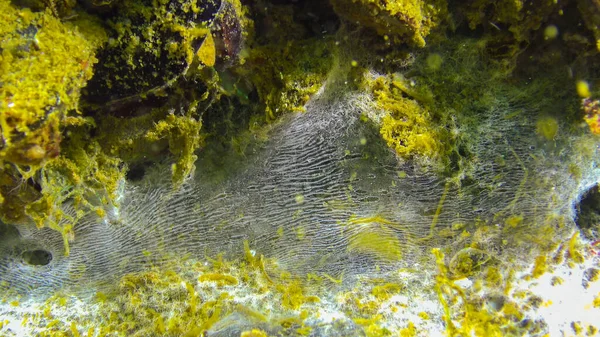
[[397, 21], [310, 168], [45, 63]]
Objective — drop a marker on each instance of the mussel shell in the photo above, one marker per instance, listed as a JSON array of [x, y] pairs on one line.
[[124, 76], [228, 34]]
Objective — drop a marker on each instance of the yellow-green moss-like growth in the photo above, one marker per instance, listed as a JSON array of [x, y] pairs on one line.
[[84, 174], [286, 75], [43, 65], [406, 126], [403, 21], [469, 315], [191, 297], [468, 261], [183, 134], [146, 138]]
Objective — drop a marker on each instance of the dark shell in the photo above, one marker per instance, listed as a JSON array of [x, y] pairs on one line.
[[148, 51], [228, 34]]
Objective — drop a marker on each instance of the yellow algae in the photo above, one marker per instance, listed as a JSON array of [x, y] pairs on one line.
[[34, 96], [381, 244], [254, 333], [556, 280], [374, 236], [293, 295], [220, 279], [183, 134], [371, 327], [45, 63], [285, 83], [304, 331], [192, 297], [398, 21], [74, 330], [252, 313], [540, 267], [372, 219], [596, 301], [468, 261], [407, 125], [466, 317], [386, 291], [514, 220], [75, 175], [574, 249], [409, 331], [334, 280]]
